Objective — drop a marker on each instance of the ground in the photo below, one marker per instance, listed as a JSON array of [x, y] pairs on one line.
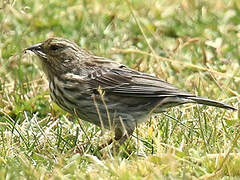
[[193, 44]]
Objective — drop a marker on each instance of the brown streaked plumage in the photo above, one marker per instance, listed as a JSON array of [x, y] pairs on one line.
[[76, 75]]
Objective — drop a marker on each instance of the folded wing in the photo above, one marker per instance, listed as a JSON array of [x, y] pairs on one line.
[[128, 82]]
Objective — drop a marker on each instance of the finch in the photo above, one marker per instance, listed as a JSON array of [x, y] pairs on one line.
[[104, 92]]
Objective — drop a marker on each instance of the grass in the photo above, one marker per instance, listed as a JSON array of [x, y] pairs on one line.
[[192, 44]]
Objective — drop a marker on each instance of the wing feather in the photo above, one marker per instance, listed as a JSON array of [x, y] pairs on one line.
[[129, 82]]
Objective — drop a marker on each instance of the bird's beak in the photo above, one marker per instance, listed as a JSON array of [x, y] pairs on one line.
[[38, 50], [35, 48]]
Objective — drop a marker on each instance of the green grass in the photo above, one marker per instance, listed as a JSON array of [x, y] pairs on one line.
[[193, 44]]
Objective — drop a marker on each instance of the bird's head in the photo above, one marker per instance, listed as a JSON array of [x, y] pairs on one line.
[[58, 55]]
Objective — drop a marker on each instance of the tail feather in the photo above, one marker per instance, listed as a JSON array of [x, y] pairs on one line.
[[210, 102]]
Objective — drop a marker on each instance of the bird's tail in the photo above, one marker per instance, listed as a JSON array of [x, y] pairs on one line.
[[209, 102]]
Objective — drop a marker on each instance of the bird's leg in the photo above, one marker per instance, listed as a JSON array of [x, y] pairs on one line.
[[120, 137]]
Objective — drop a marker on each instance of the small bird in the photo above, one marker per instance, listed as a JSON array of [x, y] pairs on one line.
[[104, 92]]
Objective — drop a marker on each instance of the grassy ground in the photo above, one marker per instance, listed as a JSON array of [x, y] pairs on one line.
[[192, 44]]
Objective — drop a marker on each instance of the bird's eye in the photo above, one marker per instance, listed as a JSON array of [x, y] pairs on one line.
[[54, 47]]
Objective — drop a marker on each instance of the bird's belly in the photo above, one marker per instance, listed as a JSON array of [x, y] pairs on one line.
[[107, 111], [104, 114]]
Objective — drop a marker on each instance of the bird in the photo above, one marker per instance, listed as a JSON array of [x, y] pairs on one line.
[[104, 92]]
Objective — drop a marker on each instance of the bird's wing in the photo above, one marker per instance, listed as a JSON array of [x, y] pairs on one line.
[[116, 79], [128, 82]]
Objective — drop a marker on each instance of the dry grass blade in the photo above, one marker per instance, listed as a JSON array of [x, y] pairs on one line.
[[220, 170], [116, 50]]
